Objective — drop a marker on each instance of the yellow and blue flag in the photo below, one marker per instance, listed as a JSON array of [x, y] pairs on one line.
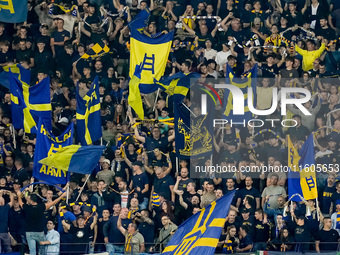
[[243, 84], [13, 11], [23, 75], [148, 58], [97, 50], [88, 115], [47, 144], [75, 158], [301, 175], [30, 103], [178, 84], [141, 20], [201, 232]]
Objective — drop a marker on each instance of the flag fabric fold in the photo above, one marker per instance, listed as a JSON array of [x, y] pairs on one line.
[[47, 144], [88, 115], [30, 103], [178, 84], [75, 158], [148, 58], [201, 232], [301, 175]]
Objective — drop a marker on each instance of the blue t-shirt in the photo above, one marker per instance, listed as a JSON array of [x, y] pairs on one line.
[[140, 181], [69, 217]]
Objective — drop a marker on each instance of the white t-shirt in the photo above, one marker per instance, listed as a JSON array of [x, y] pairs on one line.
[[124, 199], [211, 54], [222, 58]]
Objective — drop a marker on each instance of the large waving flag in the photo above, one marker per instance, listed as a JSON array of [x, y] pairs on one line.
[[148, 55], [243, 84], [13, 11], [23, 75], [75, 158], [88, 115], [48, 144], [307, 171], [301, 175], [201, 232], [178, 84], [30, 103]]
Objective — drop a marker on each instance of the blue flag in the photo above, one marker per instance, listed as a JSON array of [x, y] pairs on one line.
[[301, 175], [178, 84], [23, 75], [141, 20], [194, 131], [201, 232], [47, 144], [243, 84], [13, 11], [88, 115], [30, 103], [75, 158]]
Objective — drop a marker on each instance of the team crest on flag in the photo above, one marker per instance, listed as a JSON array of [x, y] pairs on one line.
[[48, 144]]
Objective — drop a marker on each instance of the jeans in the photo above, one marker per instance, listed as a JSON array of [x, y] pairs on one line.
[[145, 204], [32, 239], [114, 249], [5, 243], [260, 247]]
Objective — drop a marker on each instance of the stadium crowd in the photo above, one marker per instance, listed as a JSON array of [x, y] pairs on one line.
[[141, 193]]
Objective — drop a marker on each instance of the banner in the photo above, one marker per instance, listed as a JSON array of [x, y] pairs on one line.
[[194, 131], [201, 232], [46, 145], [13, 11]]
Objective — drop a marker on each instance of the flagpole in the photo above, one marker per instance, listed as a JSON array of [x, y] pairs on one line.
[[189, 109], [67, 194], [82, 188], [154, 106], [176, 164]]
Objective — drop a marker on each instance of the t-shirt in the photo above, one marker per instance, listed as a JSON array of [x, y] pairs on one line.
[[327, 199], [80, 235], [4, 218], [245, 241], [151, 143], [35, 220], [326, 238], [133, 242], [106, 176], [162, 186], [273, 192], [252, 192], [140, 180]]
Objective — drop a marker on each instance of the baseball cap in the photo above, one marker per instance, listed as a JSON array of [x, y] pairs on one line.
[[245, 210], [137, 163]]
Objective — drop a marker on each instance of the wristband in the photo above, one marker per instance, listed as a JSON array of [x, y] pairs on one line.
[[61, 214]]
